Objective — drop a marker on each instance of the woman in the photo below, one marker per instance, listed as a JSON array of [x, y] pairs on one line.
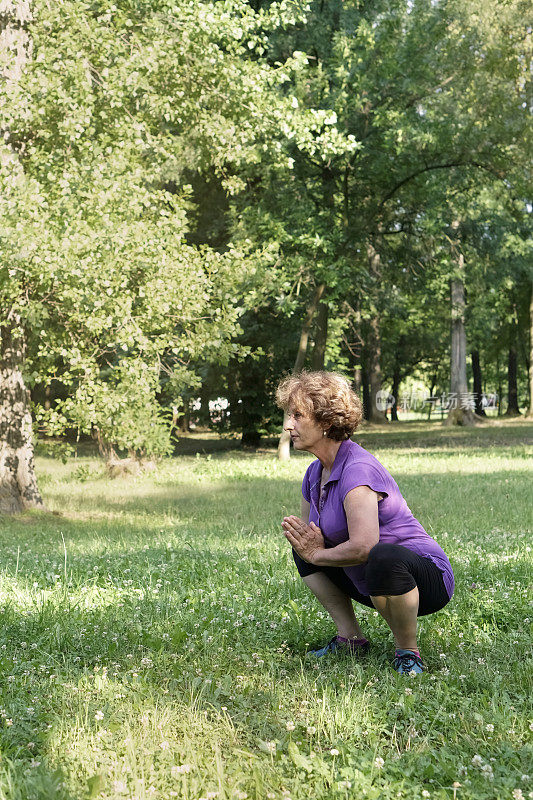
[[356, 538]]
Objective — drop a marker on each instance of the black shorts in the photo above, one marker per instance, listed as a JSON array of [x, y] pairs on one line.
[[390, 570]]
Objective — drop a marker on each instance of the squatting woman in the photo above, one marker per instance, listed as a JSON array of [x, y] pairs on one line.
[[356, 538]]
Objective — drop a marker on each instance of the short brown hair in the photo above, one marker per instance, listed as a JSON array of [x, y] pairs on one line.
[[327, 396]]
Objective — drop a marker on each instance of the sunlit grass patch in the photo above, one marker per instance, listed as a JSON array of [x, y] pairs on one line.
[[153, 635]]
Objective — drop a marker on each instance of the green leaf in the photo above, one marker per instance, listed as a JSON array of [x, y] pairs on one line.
[[301, 761], [95, 785]]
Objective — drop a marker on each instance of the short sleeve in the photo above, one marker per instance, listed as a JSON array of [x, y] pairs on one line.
[[354, 475], [306, 487]]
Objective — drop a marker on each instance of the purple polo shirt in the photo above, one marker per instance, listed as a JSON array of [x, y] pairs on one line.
[[355, 466]]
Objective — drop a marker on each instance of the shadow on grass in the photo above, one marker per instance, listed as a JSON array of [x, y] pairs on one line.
[[251, 506]]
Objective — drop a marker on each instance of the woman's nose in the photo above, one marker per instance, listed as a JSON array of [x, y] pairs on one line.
[[288, 424]]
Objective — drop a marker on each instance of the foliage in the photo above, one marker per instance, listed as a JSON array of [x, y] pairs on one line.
[[186, 174], [95, 262]]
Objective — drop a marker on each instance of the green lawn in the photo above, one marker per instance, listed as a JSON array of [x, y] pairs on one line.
[[153, 633]]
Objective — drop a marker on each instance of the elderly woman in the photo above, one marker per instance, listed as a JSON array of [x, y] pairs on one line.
[[356, 538]]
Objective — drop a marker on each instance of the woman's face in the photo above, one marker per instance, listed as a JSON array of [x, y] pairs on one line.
[[304, 430]]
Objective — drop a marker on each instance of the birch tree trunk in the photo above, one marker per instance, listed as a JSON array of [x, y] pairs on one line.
[[284, 444], [374, 344], [458, 415], [18, 484]]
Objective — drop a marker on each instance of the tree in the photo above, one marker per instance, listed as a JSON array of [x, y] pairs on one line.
[[99, 288], [387, 102]]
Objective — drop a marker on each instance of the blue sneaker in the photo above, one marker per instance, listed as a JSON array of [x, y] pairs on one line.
[[353, 647], [407, 663]]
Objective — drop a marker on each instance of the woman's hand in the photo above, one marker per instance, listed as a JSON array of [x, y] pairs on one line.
[[306, 539]]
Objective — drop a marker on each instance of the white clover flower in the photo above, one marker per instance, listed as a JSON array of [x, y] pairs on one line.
[[180, 769], [311, 730], [517, 794], [290, 725], [164, 745], [99, 715], [379, 762], [486, 771], [408, 691], [489, 728], [477, 761], [334, 751], [425, 793]]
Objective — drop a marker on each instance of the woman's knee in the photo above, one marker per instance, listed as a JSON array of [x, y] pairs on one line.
[[385, 573], [382, 554]]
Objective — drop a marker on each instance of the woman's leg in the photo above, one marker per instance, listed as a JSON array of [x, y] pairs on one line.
[[335, 592], [337, 604], [403, 586], [400, 612]]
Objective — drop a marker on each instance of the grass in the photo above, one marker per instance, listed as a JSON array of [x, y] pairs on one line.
[[153, 631]]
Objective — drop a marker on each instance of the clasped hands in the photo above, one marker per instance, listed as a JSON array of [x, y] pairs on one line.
[[305, 538]]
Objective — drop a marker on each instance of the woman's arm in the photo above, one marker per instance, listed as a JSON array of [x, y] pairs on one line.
[[361, 507], [304, 511]]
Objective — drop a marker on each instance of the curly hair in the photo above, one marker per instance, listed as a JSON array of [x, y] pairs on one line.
[[327, 397]]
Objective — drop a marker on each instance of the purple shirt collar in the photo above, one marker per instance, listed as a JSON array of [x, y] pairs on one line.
[[338, 463]]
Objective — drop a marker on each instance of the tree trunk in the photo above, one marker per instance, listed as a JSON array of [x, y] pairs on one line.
[[354, 344], [205, 396], [284, 444], [374, 371], [18, 484], [431, 391], [498, 373], [459, 413], [357, 379], [530, 376], [512, 385], [478, 384], [374, 344], [321, 337], [106, 450], [367, 405], [184, 419], [396, 380]]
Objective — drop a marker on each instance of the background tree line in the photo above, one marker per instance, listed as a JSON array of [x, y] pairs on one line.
[[198, 197]]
